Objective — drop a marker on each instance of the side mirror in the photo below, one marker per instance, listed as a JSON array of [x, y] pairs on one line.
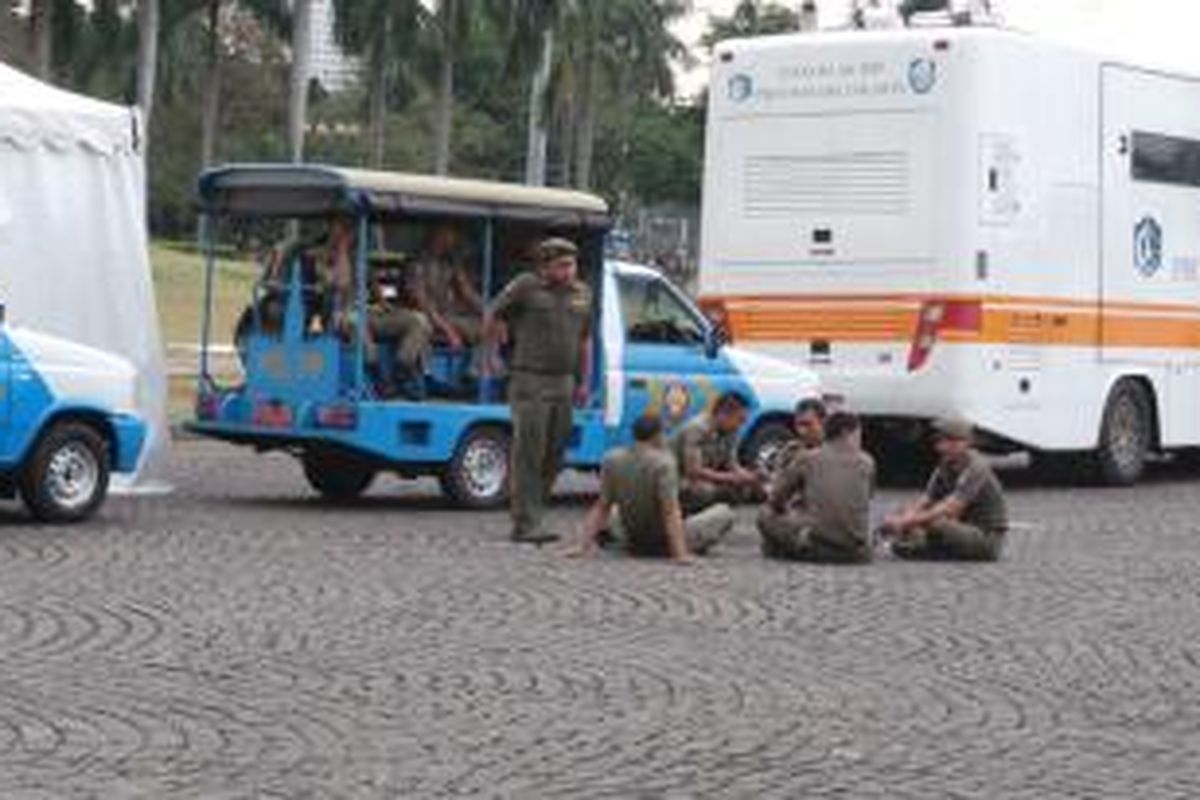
[[2, 314], [715, 337]]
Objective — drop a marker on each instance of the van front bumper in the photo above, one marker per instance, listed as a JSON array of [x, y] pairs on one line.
[[129, 438]]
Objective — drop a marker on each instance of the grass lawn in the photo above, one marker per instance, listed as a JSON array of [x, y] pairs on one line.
[[179, 286]]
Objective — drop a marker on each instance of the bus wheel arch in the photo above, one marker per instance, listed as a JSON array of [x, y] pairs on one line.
[[477, 475], [1129, 431]]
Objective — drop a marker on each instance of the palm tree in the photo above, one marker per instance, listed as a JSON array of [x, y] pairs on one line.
[[532, 27], [147, 67], [301, 74], [41, 37], [386, 33], [452, 25]]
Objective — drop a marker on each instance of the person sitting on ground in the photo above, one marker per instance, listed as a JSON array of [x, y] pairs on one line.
[[963, 514], [444, 291], [808, 423], [642, 483], [820, 505], [705, 449]]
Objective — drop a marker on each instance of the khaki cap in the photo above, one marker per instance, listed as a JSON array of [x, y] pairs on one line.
[[556, 247], [953, 428]]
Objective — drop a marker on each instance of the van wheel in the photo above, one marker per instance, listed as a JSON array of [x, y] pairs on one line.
[[1126, 435], [67, 476], [337, 477], [761, 451], [477, 475]]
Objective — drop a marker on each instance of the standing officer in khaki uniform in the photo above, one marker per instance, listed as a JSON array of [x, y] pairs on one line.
[[705, 448], [819, 508], [963, 514], [642, 482], [547, 317]]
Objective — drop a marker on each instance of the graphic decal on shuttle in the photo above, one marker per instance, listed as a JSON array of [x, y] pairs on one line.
[[922, 75], [1147, 247]]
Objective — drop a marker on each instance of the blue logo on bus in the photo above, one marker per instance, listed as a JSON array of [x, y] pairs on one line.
[[922, 75], [741, 87], [1148, 247]]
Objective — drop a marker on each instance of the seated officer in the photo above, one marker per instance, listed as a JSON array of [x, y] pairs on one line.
[[444, 291], [705, 449], [398, 335], [962, 514], [820, 505], [642, 482], [808, 423]]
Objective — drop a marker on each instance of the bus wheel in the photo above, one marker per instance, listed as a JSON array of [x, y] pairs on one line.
[[66, 479], [1126, 435], [337, 477], [477, 475], [762, 449]]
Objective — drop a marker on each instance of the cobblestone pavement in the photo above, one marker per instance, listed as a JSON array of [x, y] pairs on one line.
[[239, 640]]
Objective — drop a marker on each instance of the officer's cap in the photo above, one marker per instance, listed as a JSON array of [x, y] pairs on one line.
[[556, 247], [953, 428]]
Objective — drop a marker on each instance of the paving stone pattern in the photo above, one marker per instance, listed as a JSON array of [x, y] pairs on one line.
[[239, 640]]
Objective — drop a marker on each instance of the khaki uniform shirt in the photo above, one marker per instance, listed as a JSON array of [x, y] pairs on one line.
[[974, 484], [640, 481], [547, 323], [698, 443], [439, 279], [833, 485]]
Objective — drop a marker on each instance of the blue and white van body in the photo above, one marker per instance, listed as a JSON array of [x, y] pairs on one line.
[[307, 391], [63, 406]]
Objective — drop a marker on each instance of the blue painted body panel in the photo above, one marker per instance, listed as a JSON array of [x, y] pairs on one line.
[[27, 407]]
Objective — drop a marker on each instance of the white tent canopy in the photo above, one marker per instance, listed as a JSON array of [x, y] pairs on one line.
[[73, 243]]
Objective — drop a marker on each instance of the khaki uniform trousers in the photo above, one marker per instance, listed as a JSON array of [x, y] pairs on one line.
[[790, 536], [950, 540], [542, 416], [702, 531], [695, 496]]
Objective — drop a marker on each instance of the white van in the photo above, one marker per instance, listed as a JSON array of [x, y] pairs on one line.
[[964, 220]]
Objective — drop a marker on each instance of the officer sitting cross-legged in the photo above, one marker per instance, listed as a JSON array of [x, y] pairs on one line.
[[642, 483], [819, 506], [962, 514], [705, 448]]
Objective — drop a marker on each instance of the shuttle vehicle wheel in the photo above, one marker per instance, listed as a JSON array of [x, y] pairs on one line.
[[477, 476], [1126, 435], [337, 477], [66, 479]]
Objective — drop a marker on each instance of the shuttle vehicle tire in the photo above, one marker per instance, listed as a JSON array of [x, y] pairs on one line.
[[762, 448], [338, 478], [477, 476], [66, 478]]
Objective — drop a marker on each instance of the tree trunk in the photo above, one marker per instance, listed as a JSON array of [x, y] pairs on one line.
[[377, 97], [445, 97], [147, 68], [41, 37], [568, 123], [301, 72], [585, 136], [210, 109], [535, 152]]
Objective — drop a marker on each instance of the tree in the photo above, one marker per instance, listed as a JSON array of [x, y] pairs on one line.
[[386, 33], [532, 27], [300, 76], [451, 25], [147, 66], [41, 37]]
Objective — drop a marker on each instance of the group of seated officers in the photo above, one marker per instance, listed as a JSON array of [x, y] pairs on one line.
[[414, 303], [672, 497]]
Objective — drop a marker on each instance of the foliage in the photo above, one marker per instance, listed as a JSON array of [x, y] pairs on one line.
[[752, 18]]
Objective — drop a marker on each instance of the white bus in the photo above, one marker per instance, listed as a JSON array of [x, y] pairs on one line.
[[969, 221]]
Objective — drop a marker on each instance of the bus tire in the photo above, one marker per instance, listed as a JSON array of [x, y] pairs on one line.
[[477, 475], [1126, 435], [762, 448], [66, 477], [337, 477]]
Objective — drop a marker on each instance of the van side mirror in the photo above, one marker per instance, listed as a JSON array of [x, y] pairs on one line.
[[2, 313], [715, 337]]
